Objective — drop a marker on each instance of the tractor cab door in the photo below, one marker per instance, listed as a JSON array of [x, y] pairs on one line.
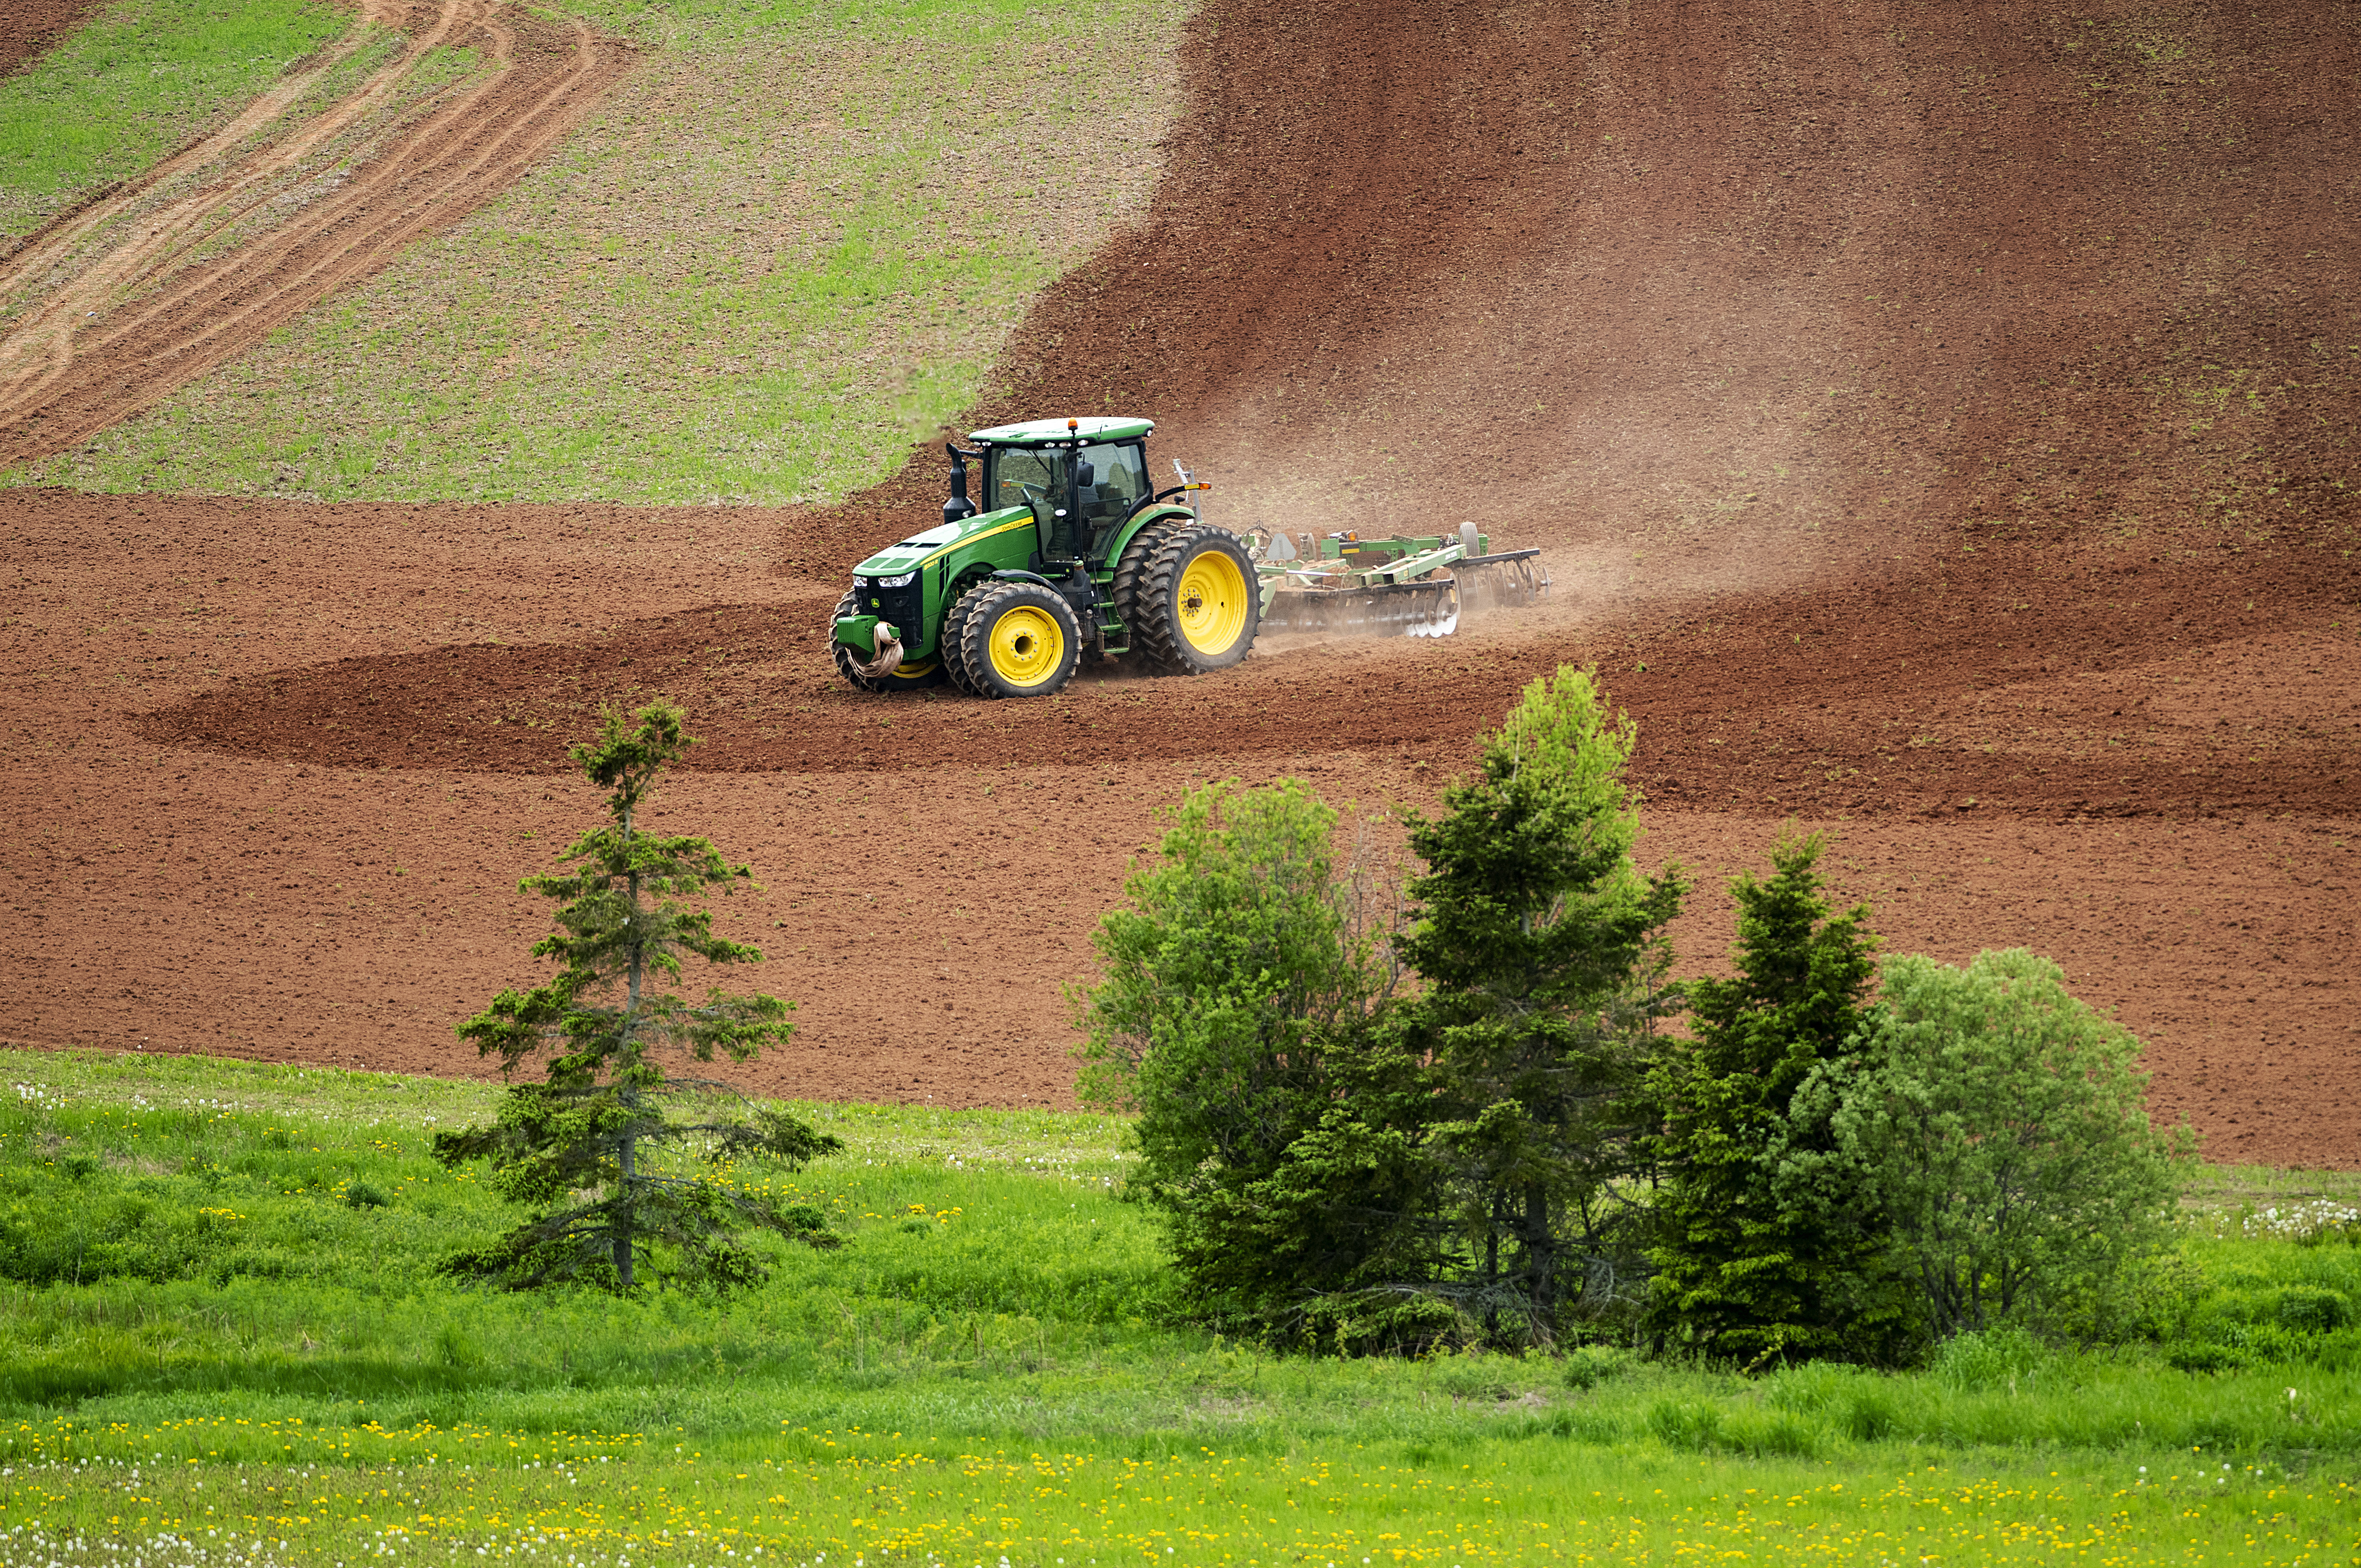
[[1117, 488], [1110, 485]]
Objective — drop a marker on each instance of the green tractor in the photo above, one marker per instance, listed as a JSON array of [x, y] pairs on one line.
[[1074, 550]]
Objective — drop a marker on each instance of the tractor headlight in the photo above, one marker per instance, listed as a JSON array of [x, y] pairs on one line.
[[903, 581]]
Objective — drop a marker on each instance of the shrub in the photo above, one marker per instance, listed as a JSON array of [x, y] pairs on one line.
[[1997, 1122], [2200, 1355], [1588, 1366], [2310, 1309]]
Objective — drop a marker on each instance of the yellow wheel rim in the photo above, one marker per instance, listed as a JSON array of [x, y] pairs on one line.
[[1213, 608], [1027, 646]]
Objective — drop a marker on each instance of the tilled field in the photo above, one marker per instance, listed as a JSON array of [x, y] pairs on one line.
[[1940, 430]]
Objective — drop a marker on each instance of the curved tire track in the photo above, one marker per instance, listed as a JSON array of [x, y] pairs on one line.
[[74, 366]]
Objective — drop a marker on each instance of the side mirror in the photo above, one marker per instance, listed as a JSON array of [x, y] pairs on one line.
[[1085, 475]]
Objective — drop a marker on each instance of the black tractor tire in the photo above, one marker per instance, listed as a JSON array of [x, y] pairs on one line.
[[1018, 640], [908, 677], [1132, 565], [1197, 603], [953, 650]]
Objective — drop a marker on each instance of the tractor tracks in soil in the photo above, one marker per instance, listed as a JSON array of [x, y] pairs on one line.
[[134, 314]]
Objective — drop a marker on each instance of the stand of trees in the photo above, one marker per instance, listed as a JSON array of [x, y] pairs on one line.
[[1469, 1118]]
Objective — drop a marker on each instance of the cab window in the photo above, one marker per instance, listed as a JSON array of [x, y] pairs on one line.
[[1119, 483], [1015, 469]]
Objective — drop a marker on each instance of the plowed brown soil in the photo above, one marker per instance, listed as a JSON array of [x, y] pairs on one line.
[[28, 27], [135, 321], [1941, 429]]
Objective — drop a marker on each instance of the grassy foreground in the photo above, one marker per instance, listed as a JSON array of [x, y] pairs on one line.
[[223, 1343]]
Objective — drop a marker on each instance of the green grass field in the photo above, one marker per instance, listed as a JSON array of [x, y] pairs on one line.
[[141, 78], [222, 1318], [793, 241]]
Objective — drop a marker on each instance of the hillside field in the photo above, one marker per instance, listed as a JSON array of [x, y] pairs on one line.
[[1938, 425]]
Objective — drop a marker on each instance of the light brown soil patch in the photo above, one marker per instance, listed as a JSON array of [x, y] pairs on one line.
[[1880, 391]]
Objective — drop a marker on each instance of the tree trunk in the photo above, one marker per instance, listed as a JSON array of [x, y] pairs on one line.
[[1492, 1271], [627, 1198], [1541, 1257], [624, 1201]]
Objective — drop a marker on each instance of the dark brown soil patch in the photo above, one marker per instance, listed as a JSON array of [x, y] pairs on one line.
[[30, 27], [2004, 684]]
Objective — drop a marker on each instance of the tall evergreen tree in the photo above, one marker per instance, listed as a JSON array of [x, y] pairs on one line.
[[1541, 946], [583, 1147], [1742, 1271]]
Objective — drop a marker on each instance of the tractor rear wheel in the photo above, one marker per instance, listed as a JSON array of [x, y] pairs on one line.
[[1131, 567], [1018, 640], [908, 677], [1199, 603]]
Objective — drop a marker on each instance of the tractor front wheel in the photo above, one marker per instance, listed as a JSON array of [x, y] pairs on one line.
[[1199, 603], [1015, 639], [954, 643], [908, 677]]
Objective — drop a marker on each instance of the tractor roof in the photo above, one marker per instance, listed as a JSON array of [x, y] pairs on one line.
[[1048, 432]]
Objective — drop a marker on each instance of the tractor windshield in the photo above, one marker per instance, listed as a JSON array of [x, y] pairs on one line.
[[1035, 477], [1021, 474]]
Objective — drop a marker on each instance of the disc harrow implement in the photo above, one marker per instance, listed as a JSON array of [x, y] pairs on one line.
[[1345, 585]]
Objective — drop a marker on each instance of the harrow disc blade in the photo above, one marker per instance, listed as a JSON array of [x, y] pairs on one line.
[[1501, 582], [1402, 609]]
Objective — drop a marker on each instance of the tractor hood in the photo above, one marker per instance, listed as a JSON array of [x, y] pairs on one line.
[[920, 549]]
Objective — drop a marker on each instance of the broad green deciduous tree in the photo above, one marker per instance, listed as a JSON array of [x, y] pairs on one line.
[[1997, 1125], [583, 1147], [1240, 967]]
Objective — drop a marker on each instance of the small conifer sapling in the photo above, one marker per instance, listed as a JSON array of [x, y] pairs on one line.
[[588, 1147]]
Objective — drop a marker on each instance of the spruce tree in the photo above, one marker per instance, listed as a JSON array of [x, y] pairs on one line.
[[1540, 945], [1743, 1271], [586, 1146]]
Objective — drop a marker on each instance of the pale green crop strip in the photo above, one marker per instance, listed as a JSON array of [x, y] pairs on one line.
[[139, 79], [794, 240]]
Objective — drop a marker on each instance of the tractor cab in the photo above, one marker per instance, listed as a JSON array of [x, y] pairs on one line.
[[1082, 480]]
